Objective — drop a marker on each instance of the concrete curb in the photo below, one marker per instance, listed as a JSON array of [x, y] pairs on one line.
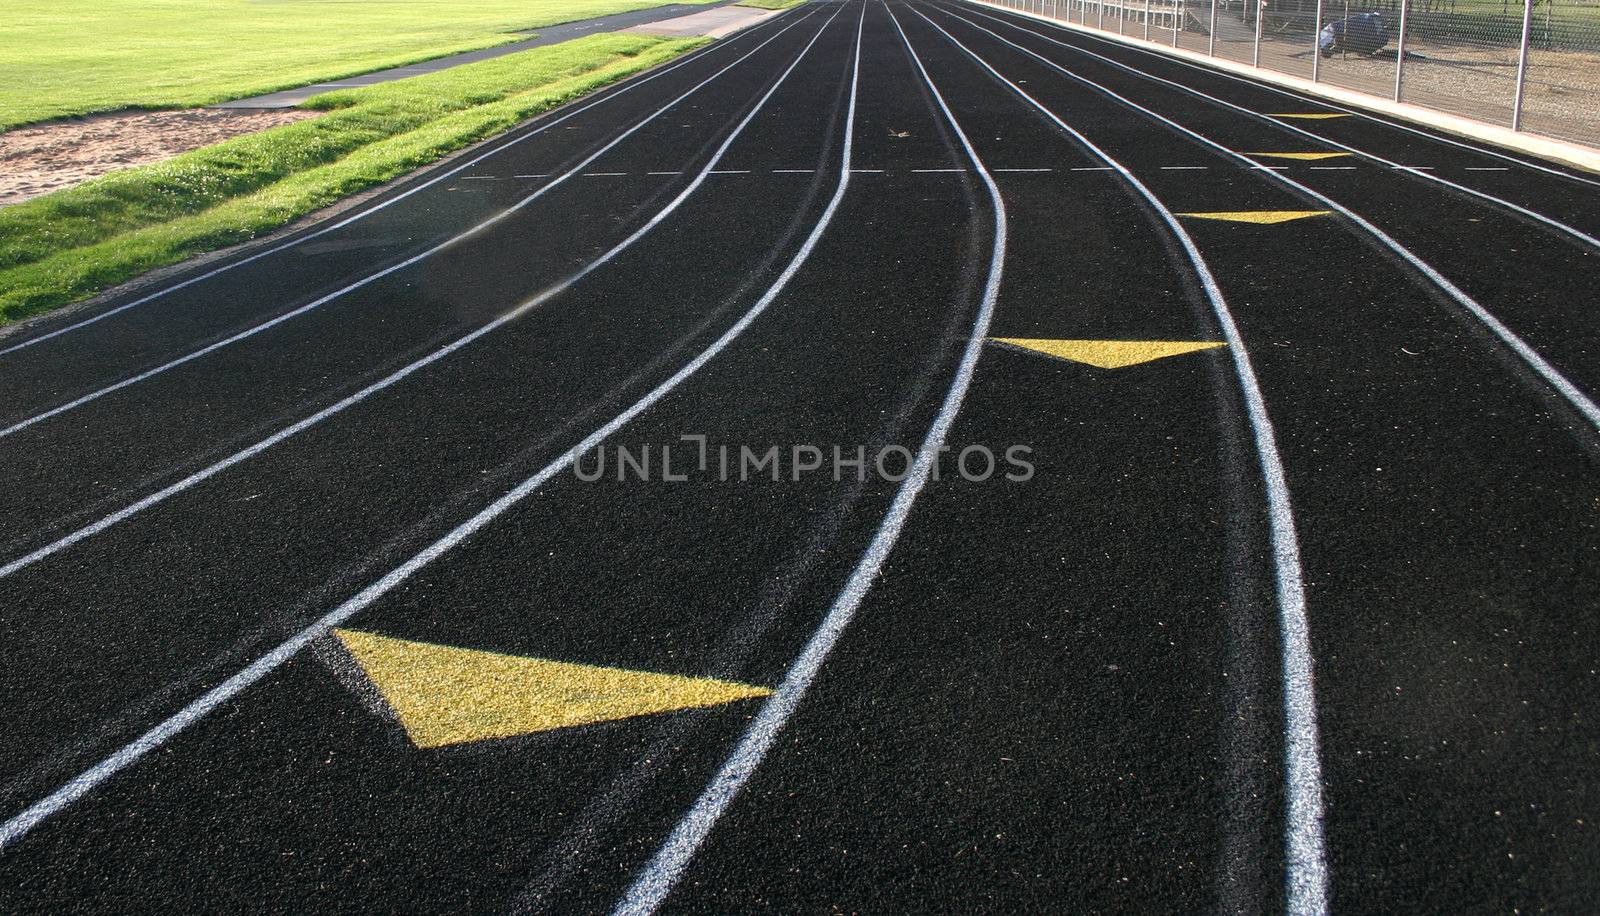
[[1561, 151]]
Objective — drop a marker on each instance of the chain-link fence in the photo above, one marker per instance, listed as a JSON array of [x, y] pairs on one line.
[[1528, 64]]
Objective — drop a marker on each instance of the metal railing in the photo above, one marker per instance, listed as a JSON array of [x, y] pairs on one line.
[[1531, 65]]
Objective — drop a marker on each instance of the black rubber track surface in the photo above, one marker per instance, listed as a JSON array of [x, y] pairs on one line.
[[1064, 693]]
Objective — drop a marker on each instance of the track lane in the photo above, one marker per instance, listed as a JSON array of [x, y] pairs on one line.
[[448, 276], [359, 476], [1367, 411], [1060, 694], [622, 104], [209, 415], [821, 378], [1568, 349], [1428, 173], [1364, 125]]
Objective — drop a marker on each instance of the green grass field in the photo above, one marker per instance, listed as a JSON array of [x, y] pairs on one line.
[[770, 4], [74, 57], [68, 245]]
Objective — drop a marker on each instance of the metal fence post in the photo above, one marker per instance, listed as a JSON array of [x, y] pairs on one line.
[[1255, 53], [1211, 37], [1400, 50], [1100, 23], [1146, 20], [1316, 34], [1177, 17], [1522, 65]]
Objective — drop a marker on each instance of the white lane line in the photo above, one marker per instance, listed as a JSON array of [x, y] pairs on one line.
[[1420, 171], [480, 178], [442, 176], [1331, 168], [664, 173], [530, 176], [1488, 168], [792, 171], [1306, 866], [521, 308], [656, 880], [603, 174], [374, 277], [1553, 376], [1185, 168], [79, 786], [938, 170], [731, 172], [1269, 168], [1481, 150]]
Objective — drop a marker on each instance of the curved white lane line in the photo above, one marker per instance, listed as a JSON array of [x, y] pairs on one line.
[[1555, 224], [498, 147], [1306, 865], [521, 309], [82, 784], [1326, 103], [1573, 395], [374, 277], [656, 880]]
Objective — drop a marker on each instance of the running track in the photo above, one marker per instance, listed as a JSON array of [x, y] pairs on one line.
[[1305, 619]]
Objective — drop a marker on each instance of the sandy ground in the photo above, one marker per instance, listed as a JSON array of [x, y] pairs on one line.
[[47, 157]]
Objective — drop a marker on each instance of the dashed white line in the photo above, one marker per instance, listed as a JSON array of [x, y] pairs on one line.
[[1331, 168], [1487, 168], [1184, 168], [664, 173], [729, 172], [938, 170], [603, 174], [792, 171]]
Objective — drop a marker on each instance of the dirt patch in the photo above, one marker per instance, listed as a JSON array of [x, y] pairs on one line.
[[47, 157]]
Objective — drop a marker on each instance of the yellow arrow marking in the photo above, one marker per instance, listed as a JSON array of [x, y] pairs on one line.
[[1300, 155], [1316, 116], [446, 695], [1265, 217], [1109, 354]]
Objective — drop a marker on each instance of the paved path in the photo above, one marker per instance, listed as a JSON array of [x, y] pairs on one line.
[[289, 98], [1279, 594]]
